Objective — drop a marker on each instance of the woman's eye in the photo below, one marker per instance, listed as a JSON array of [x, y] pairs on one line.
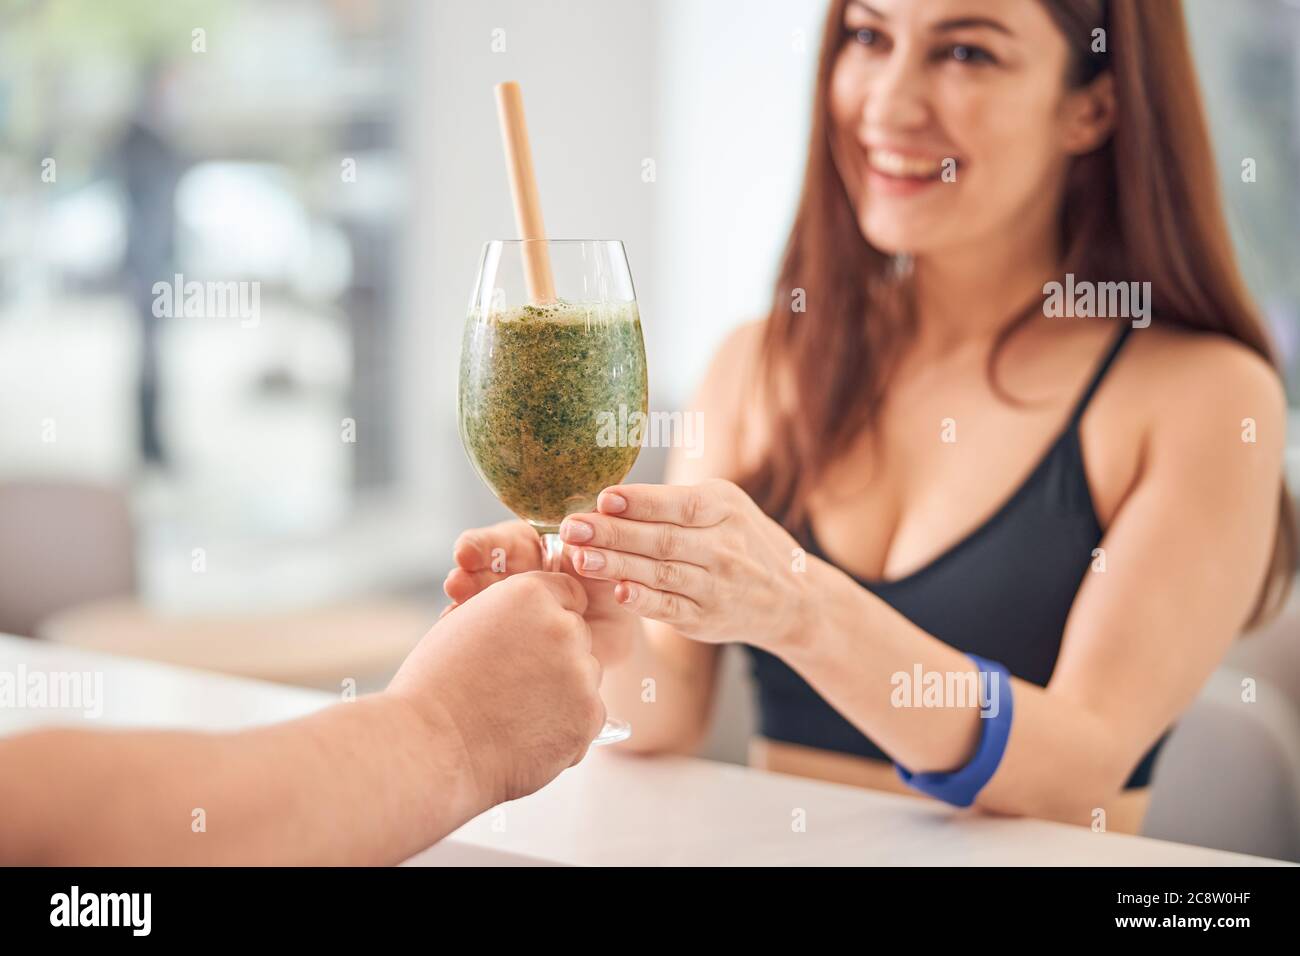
[[965, 53], [865, 36]]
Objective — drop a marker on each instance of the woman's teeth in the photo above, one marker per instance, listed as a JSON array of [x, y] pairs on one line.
[[898, 165]]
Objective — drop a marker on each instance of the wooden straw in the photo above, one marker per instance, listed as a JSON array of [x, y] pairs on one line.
[[523, 188]]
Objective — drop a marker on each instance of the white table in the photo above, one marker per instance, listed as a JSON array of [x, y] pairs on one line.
[[620, 809]]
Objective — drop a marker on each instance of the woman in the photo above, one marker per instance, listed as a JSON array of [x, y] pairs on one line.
[[934, 472]]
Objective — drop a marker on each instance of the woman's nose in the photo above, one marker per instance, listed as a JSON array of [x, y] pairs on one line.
[[896, 95]]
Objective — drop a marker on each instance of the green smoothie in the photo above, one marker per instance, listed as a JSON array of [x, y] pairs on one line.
[[536, 383]]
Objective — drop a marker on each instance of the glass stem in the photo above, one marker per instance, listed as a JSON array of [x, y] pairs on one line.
[[552, 552]]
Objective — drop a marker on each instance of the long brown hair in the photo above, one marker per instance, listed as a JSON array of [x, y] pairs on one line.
[[1161, 221]]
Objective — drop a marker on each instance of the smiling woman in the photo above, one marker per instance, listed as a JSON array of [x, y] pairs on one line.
[[1080, 148], [995, 82], [931, 471]]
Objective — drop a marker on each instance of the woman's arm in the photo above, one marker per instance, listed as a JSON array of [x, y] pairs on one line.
[[1186, 553], [491, 705], [683, 671], [1185, 556]]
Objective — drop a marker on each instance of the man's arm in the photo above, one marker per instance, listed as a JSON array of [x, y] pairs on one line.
[[367, 782], [494, 702]]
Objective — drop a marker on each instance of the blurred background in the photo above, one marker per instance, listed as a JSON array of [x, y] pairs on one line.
[[274, 491]]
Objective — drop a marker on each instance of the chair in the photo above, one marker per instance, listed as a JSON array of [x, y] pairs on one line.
[[67, 574], [1229, 777], [61, 544]]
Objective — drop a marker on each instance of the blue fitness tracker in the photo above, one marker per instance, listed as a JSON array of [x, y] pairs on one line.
[[961, 787]]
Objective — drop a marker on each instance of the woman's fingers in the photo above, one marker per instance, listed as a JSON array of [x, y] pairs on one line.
[[505, 548], [690, 506], [674, 609], [676, 576], [667, 542]]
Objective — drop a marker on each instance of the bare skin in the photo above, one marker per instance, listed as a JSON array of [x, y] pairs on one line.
[[1188, 508], [490, 706]]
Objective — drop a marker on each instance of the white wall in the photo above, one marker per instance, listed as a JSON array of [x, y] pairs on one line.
[[587, 78], [734, 84], [714, 93]]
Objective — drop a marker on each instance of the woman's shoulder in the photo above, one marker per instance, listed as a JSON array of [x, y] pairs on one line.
[[729, 399], [1173, 413], [736, 359], [1184, 400], [1202, 370], [730, 383]]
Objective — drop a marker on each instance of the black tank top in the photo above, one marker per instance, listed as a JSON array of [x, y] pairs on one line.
[[1003, 592]]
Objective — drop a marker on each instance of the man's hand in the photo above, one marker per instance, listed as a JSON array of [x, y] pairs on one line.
[[513, 672], [486, 556]]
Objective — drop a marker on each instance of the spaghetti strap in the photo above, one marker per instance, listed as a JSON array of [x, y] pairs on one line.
[[1102, 368]]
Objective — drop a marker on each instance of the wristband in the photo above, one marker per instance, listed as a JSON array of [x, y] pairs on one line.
[[962, 786]]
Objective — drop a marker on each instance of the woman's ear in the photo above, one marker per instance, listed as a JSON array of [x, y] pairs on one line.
[[1090, 115]]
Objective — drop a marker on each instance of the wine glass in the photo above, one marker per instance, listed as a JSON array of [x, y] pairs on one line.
[[553, 383]]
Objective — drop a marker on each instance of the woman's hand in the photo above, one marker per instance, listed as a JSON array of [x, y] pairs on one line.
[[485, 556], [703, 558]]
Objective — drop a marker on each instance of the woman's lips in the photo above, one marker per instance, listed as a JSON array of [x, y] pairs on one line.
[[901, 173]]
